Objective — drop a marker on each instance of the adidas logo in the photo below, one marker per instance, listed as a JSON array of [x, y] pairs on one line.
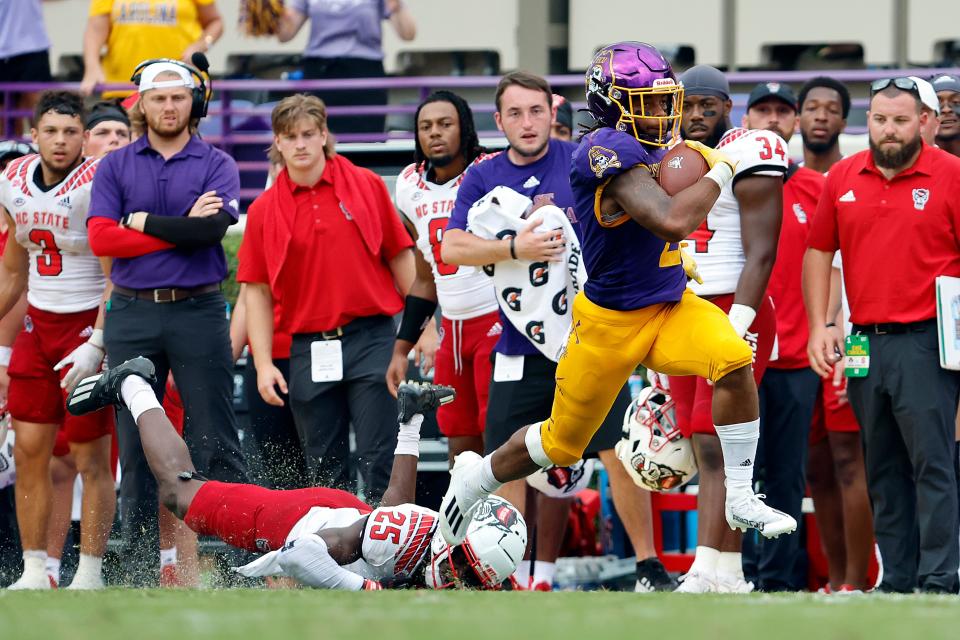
[[64, 202], [643, 584], [753, 524], [495, 330], [531, 182], [87, 332], [848, 197], [746, 463]]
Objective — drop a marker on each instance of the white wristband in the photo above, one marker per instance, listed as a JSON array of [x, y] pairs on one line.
[[5, 353], [96, 338], [721, 174], [741, 317], [408, 438]]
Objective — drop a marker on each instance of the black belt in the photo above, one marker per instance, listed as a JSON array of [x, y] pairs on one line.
[[355, 325], [884, 328], [169, 294]]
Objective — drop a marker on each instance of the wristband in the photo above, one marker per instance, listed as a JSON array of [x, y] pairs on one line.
[[417, 312], [5, 353], [513, 247], [741, 317], [96, 339], [720, 174]]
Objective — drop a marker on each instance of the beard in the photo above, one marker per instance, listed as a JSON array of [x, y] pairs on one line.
[[166, 132], [816, 148], [441, 161], [895, 158]]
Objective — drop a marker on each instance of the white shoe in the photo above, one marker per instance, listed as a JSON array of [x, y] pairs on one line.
[[87, 583], [733, 584], [31, 580], [697, 582], [461, 499], [748, 512]]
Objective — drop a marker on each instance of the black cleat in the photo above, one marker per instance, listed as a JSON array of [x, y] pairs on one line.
[[652, 576], [103, 389], [421, 397]]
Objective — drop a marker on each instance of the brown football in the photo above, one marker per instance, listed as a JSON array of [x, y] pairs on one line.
[[680, 168]]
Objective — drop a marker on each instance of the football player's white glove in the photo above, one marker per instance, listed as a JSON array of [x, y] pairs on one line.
[[658, 380], [86, 360]]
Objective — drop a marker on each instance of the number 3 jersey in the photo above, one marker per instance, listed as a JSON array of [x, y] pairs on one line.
[[395, 540], [65, 276], [463, 292], [716, 244]]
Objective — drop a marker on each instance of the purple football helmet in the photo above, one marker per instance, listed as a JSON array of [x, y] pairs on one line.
[[631, 87]]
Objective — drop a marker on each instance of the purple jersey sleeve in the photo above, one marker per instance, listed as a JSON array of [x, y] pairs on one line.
[[605, 153], [105, 197], [471, 189]]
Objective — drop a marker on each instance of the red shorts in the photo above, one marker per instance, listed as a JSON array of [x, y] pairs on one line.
[[830, 415], [694, 397], [259, 519], [463, 362], [35, 394], [173, 405]]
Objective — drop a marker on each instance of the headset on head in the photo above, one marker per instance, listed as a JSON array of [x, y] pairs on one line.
[[201, 96]]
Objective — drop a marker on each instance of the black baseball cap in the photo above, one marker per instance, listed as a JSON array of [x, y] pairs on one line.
[[106, 111], [564, 111], [777, 90]]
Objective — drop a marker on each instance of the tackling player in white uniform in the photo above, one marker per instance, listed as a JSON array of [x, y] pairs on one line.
[[446, 146], [735, 249], [324, 538], [46, 198]]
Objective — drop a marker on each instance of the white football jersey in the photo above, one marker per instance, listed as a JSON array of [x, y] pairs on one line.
[[65, 276], [396, 540], [716, 244], [464, 291]]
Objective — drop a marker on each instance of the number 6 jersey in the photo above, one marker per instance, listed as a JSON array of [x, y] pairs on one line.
[[65, 276], [716, 244]]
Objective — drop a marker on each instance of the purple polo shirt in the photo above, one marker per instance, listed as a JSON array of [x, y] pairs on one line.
[[137, 178]]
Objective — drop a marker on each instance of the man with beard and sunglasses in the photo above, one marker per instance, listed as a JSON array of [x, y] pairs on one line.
[[892, 213]]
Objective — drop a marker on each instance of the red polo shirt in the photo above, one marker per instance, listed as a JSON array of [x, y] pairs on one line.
[[329, 276], [801, 192], [896, 236]]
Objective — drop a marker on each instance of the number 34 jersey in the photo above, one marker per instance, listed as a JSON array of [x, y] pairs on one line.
[[64, 276], [717, 245], [463, 292]]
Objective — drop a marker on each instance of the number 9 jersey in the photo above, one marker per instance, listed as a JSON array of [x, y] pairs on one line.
[[464, 292], [65, 276], [716, 245]]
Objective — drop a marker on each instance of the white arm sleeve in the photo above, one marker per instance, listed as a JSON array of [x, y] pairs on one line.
[[308, 561]]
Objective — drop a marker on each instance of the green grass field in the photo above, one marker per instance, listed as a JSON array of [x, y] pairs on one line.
[[235, 614]]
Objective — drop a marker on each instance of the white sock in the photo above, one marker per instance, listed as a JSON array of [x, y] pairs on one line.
[[705, 560], [138, 395], [168, 557], [544, 571], [34, 561], [522, 574], [88, 569], [488, 482], [739, 445], [52, 567], [730, 564]]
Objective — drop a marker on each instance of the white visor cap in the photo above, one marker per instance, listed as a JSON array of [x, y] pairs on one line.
[[148, 77], [928, 96]]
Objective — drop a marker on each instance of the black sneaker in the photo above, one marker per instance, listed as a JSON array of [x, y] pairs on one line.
[[103, 389], [652, 576], [421, 397]]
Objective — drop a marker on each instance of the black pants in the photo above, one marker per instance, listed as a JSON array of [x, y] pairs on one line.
[[513, 405], [906, 408], [330, 68], [281, 464], [190, 338], [323, 411], [787, 400]]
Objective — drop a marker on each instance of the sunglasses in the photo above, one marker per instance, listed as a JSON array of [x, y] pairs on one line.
[[904, 84]]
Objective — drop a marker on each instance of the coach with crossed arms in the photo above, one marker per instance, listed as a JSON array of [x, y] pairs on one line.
[[892, 213], [160, 207]]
